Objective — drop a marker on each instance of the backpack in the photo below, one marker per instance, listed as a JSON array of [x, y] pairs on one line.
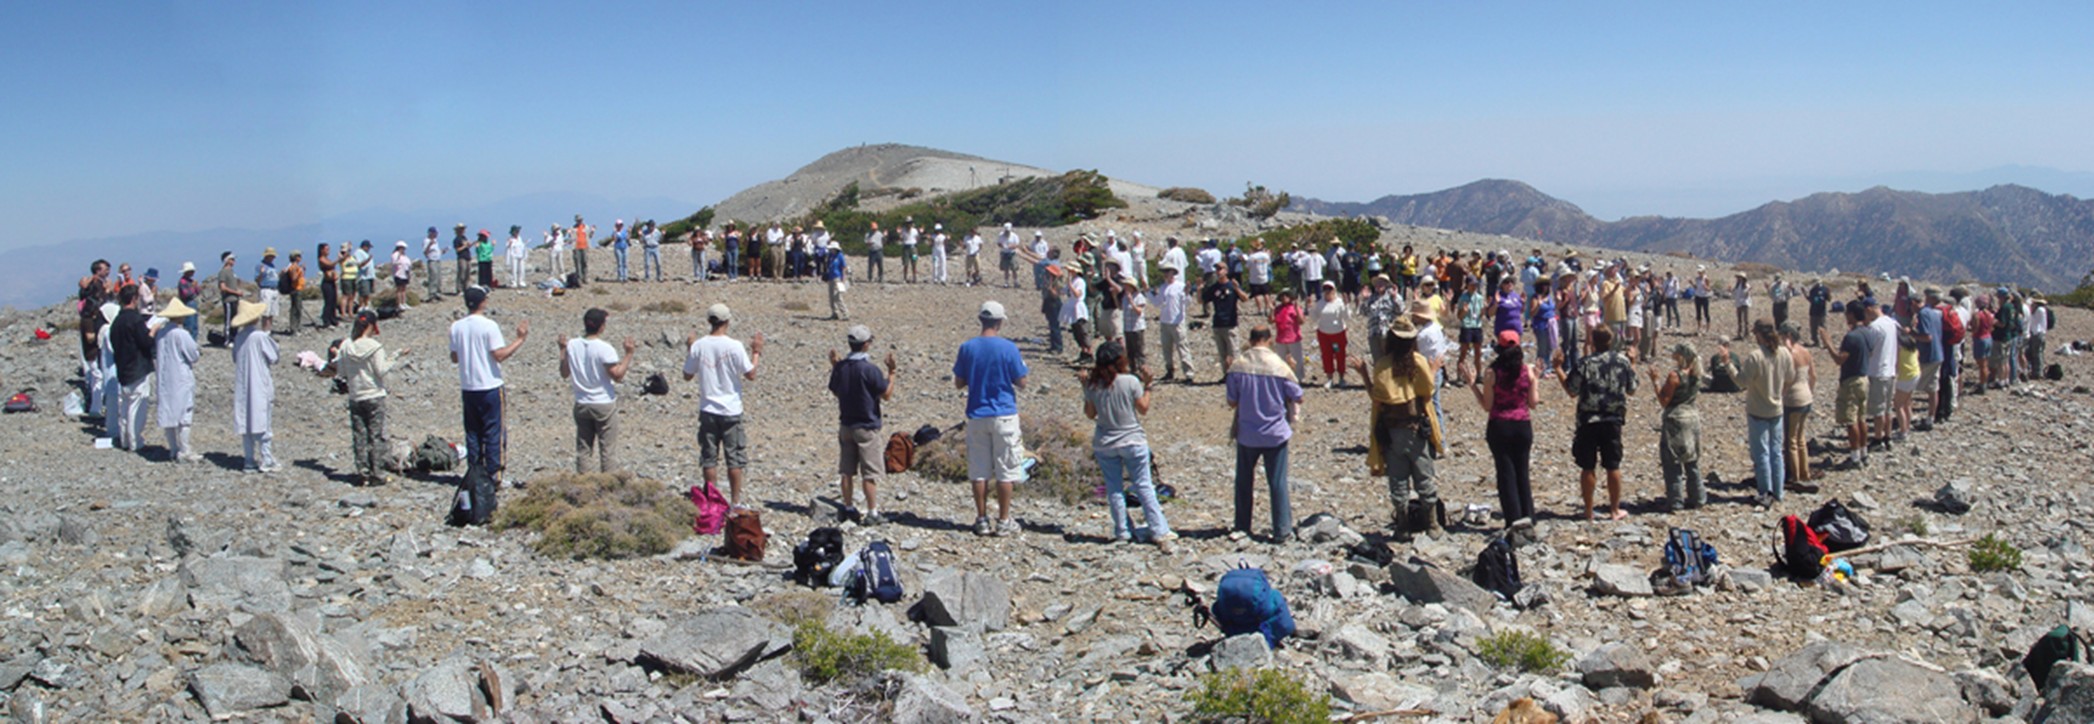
[[1245, 602], [712, 509], [876, 579], [1840, 528], [1497, 570], [434, 455], [816, 557], [1415, 518], [2054, 372], [1688, 557], [656, 384], [926, 435], [2061, 644], [901, 453], [20, 402], [474, 504], [745, 536], [1802, 552], [1951, 327]]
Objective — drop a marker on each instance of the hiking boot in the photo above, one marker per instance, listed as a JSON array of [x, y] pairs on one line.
[[1164, 545], [1008, 527], [983, 527]]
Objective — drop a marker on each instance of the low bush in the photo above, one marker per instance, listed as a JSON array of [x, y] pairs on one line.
[[1261, 203], [1992, 553], [826, 656], [1914, 524], [795, 306], [1263, 696], [1186, 194], [599, 515], [667, 306], [1066, 471], [1038, 201], [675, 231], [1522, 650]]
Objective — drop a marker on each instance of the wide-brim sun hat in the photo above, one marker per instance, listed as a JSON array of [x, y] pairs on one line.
[[1402, 328], [248, 313], [110, 310], [175, 309]]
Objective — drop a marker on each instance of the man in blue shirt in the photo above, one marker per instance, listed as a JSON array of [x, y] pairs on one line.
[[1927, 332], [859, 389], [990, 369]]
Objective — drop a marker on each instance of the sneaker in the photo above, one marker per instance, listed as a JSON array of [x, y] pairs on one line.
[[1164, 545], [983, 527], [271, 468], [873, 518], [1326, 384], [1008, 527]]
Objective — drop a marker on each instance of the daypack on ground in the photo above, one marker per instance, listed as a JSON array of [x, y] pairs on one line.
[[434, 455], [2061, 644], [876, 579], [2054, 372], [1688, 558], [1840, 528], [1497, 570], [1245, 602], [926, 435], [901, 453], [20, 402], [474, 503], [1417, 519], [1802, 553], [656, 384], [712, 509], [816, 557], [745, 536]]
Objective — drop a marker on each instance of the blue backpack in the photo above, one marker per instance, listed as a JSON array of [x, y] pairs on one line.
[[876, 579], [1246, 602], [1688, 558]]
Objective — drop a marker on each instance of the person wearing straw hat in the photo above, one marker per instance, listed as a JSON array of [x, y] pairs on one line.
[[254, 387], [174, 379], [364, 362], [131, 347], [1405, 434], [268, 282]]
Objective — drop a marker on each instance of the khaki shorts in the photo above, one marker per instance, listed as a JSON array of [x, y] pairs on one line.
[[994, 449], [1930, 378], [1879, 395], [861, 453], [1853, 400]]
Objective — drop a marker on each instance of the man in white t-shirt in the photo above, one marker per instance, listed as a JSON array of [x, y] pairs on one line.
[[972, 245], [1257, 276], [1433, 345], [1311, 265], [1007, 255], [1209, 259], [1171, 301], [721, 365], [1882, 367], [1173, 257], [478, 350], [594, 368], [910, 235], [432, 257]]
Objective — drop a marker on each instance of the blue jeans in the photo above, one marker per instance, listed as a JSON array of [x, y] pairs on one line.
[[619, 252], [1121, 463], [730, 258], [484, 440], [1052, 310], [1763, 436], [1275, 480], [651, 264]]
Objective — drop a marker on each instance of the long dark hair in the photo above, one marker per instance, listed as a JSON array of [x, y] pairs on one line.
[[1400, 350], [1107, 368], [1509, 359]]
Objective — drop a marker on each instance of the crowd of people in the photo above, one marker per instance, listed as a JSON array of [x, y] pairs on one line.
[[1501, 327]]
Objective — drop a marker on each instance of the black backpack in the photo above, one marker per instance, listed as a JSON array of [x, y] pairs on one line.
[[474, 503], [657, 384], [434, 455], [1840, 528], [1497, 570], [2061, 644], [1415, 516], [876, 579], [816, 557]]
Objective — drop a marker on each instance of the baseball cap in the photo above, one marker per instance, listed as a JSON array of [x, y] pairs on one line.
[[719, 313], [992, 310], [858, 334], [1508, 338], [474, 296]]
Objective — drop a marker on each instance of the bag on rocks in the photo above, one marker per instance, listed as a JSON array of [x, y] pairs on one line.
[[1416, 519], [816, 557], [434, 455], [20, 402], [656, 384], [712, 509], [876, 579], [1802, 552], [745, 536], [2061, 644], [1497, 570], [1840, 528], [475, 502], [926, 435], [1688, 558], [901, 453], [1246, 602], [2054, 372]]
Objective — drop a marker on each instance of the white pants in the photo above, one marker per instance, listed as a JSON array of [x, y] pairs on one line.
[[938, 264], [133, 404], [255, 447], [92, 373], [517, 265], [558, 267], [178, 444]]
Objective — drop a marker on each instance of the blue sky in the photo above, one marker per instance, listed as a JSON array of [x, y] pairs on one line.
[[128, 117]]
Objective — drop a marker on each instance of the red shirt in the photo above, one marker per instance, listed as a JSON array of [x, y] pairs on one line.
[[1286, 324], [1981, 325]]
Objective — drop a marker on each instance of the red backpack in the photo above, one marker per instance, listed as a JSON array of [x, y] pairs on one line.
[[1951, 326], [1802, 552]]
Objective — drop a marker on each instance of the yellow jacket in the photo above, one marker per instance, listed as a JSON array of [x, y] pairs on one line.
[[1387, 392]]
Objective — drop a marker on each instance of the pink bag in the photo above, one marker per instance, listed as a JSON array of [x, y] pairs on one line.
[[712, 509]]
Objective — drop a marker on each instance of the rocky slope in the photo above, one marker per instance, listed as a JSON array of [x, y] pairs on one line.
[[881, 166], [144, 590]]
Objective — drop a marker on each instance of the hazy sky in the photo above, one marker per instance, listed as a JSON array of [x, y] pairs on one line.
[[125, 117]]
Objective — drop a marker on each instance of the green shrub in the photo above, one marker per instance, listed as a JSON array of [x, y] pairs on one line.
[[1992, 553], [599, 515], [674, 231], [1186, 194], [1264, 696], [2083, 297], [825, 656], [1038, 201], [1523, 650], [1066, 469], [1915, 524]]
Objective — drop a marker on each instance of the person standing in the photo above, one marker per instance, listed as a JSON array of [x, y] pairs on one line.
[[1171, 306], [462, 249], [1602, 381], [230, 294], [1383, 307], [910, 235], [721, 364], [293, 286], [859, 388], [174, 380], [1470, 305], [594, 368], [1851, 405], [939, 242], [94, 291], [1508, 392], [1704, 290], [1767, 371], [483, 259], [268, 282], [1257, 269], [1797, 400], [254, 387], [699, 239], [1265, 399], [992, 371], [363, 363], [1741, 300], [330, 288], [972, 247], [1883, 369], [875, 253], [2037, 327], [556, 252], [133, 347], [402, 266], [518, 255], [367, 275], [478, 349], [432, 260], [1007, 255], [1115, 396], [1679, 432], [1048, 266], [581, 251], [621, 242], [1778, 294], [1222, 296], [1403, 434], [1134, 322], [190, 293], [730, 251], [651, 253], [1286, 327], [1333, 318], [837, 272], [1076, 315]]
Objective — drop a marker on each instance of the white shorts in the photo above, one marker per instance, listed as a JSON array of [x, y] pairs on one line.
[[270, 302], [994, 449], [1879, 395]]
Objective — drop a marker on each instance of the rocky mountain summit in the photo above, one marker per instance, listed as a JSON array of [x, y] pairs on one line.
[[138, 589]]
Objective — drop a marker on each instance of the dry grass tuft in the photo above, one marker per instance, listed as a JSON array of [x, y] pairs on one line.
[[599, 515], [667, 306], [1186, 194], [1066, 470]]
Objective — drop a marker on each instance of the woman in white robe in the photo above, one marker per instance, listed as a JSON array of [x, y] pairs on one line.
[[254, 389], [175, 354]]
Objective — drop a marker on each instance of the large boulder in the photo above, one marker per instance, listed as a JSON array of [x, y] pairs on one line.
[[1242, 651], [1423, 583], [458, 689], [1616, 664], [369, 704], [1619, 580], [1788, 683], [923, 701], [317, 664], [1885, 690], [243, 582], [229, 690], [2069, 695], [957, 648], [953, 597], [716, 644]]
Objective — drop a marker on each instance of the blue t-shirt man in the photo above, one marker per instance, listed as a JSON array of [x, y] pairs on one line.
[[991, 366], [1929, 325]]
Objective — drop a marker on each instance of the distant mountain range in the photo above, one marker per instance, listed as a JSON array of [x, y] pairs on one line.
[[40, 275], [2005, 233]]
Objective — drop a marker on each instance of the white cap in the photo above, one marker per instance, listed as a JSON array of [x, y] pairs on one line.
[[1006, 224], [992, 310], [1137, 235], [719, 313]]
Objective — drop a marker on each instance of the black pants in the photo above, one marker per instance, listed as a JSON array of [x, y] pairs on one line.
[[1511, 443], [1701, 310], [329, 308]]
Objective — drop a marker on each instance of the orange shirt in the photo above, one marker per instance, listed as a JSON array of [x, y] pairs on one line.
[[581, 236]]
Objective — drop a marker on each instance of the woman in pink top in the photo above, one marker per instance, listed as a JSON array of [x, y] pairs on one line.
[[1286, 326], [1507, 391]]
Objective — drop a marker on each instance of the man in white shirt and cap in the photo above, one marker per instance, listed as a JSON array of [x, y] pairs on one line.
[[1007, 254], [938, 253]]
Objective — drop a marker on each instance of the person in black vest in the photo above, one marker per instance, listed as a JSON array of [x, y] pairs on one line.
[[859, 388], [132, 345]]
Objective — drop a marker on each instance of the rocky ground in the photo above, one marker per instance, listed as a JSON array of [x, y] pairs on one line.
[[137, 589]]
